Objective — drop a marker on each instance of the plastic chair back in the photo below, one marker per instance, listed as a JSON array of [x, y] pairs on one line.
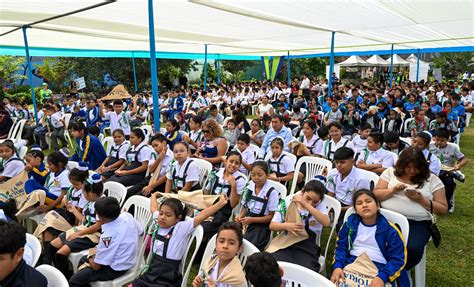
[[314, 166]]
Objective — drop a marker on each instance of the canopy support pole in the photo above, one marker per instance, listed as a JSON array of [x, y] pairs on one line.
[[135, 85], [391, 67], [289, 70], [218, 69], [205, 67], [30, 73], [154, 74], [418, 65], [331, 65]]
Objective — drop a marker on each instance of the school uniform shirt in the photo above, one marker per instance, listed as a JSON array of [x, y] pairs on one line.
[[88, 211], [118, 244], [178, 240], [448, 155], [176, 170], [315, 226], [119, 151], [12, 166], [282, 164], [359, 143], [239, 180], [256, 206], [76, 198], [196, 136], [333, 116], [329, 147], [119, 121], [344, 188], [433, 160], [145, 153], [55, 120], [311, 144], [385, 158], [166, 162], [57, 182], [248, 156], [400, 203]]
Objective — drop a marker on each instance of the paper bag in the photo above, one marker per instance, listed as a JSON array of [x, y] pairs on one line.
[[28, 206], [94, 237], [14, 188], [193, 199], [286, 239], [360, 273], [54, 220], [233, 274]]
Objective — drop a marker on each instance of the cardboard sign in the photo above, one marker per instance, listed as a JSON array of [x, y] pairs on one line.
[[14, 188], [81, 83]]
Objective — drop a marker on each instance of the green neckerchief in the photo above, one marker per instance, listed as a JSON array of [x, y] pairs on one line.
[[212, 181], [246, 194], [155, 227], [174, 183], [123, 119], [69, 193], [283, 210], [87, 218]]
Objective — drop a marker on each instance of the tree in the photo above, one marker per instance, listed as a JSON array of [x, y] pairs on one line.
[[9, 65], [312, 67], [453, 65], [233, 66], [211, 74], [55, 72]]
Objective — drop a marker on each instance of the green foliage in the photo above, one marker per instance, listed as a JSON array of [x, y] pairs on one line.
[[454, 65], [313, 67], [9, 65], [234, 67], [211, 74], [56, 72]]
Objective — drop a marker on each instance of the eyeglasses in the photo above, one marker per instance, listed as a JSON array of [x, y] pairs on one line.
[[206, 131]]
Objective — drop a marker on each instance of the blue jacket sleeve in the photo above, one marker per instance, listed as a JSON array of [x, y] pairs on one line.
[[341, 249], [396, 254]]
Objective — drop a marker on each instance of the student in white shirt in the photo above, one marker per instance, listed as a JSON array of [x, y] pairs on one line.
[[259, 203], [156, 179], [331, 145], [374, 158], [171, 235], [360, 140], [314, 215], [183, 173], [119, 119], [117, 155], [334, 115], [248, 154], [117, 250], [223, 269], [56, 127], [195, 133], [138, 158], [422, 141], [12, 165], [281, 165]]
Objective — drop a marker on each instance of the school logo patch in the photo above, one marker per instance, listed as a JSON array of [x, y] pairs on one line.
[[106, 241]]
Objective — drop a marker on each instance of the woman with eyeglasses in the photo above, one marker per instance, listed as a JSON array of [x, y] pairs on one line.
[[213, 146], [256, 134]]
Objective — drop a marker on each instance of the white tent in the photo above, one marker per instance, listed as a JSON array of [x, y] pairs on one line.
[[354, 61], [248, 29], [376, 60], [397, 60]]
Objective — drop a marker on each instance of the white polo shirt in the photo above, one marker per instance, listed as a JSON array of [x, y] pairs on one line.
[[119, 121], [345, 188]]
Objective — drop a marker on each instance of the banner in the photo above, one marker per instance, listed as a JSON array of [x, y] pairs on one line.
[[14, 188], [81, 83]]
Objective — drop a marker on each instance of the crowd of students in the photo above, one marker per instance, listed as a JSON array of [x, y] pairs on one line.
[[405, 134]]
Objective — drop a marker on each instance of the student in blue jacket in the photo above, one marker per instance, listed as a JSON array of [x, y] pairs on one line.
[[360, 233], [88, 147]]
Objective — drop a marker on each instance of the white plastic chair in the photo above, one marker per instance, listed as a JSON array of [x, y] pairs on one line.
[[282, 191], [22, 152], [205, 167], [299, 276], [394, 217], [54, 276], [195, 242], [67, 119], [420, 271], [148, 131], [15, 131], [35, 246], [314, 166], [331, 204], [382, 125], [372, 176], [116, 189], [404, 127], [107, 143], [468, 119], [247, 250], [406, 140]]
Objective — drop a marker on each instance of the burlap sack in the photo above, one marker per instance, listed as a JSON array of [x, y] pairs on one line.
[[361, 272], [14, 188], [193, 199], [286, 239], [233, 275]]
